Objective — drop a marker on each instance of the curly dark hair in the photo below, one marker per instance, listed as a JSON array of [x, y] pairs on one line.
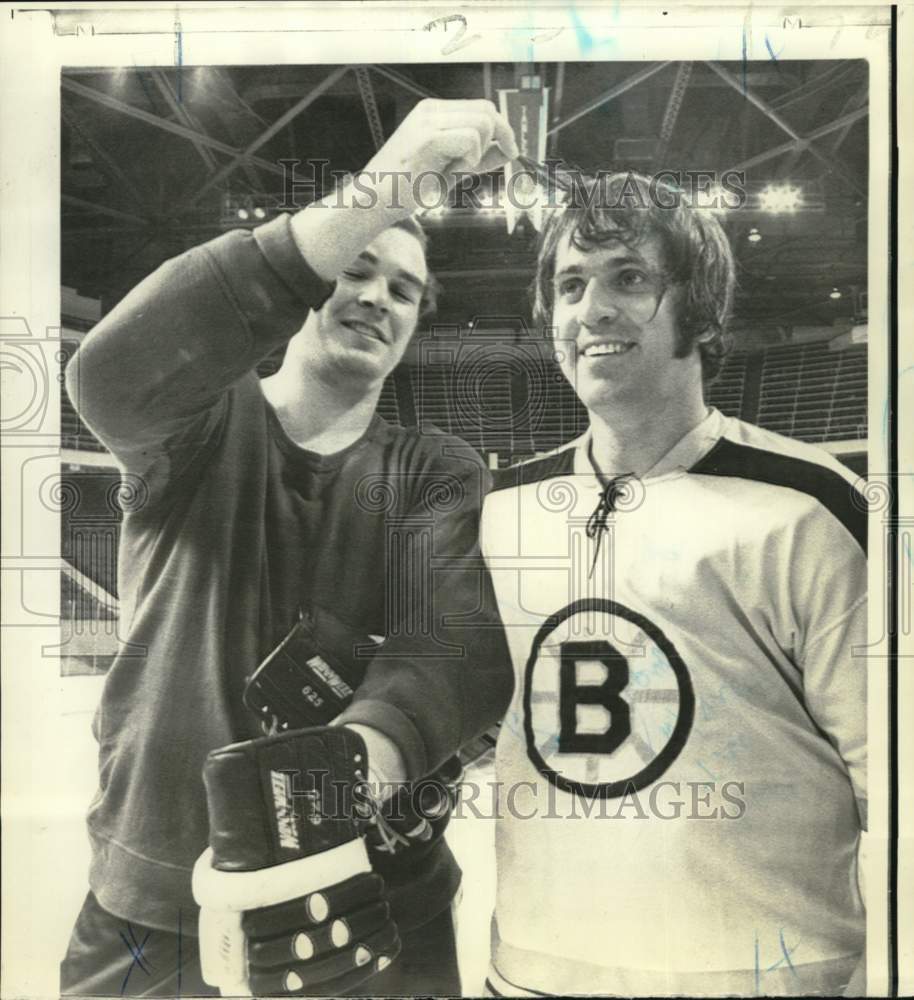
[[627, 208]]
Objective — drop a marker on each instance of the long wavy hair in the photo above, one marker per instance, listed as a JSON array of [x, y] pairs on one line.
[[628, 208]]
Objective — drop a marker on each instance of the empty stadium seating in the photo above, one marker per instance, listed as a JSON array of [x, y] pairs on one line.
[[726, 391], [804, 391], [814, 394], [388, 406]]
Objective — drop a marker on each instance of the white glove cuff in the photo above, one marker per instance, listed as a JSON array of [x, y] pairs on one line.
[[238, 891]]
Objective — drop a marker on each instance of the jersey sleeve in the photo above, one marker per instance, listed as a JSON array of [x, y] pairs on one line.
[[151, 378], [829, 571], [835, 681], [446, 676]]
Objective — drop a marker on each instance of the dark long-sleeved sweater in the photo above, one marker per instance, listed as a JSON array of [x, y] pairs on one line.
[[231, 530]]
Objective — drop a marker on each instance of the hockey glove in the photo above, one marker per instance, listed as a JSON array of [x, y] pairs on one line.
[[308, 680], [289, 905]]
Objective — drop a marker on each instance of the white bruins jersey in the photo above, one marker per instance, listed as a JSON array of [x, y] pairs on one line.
[[680, 769]]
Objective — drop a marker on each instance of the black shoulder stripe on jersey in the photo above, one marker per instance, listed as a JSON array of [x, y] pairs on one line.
[[832, 490], [548, 467]]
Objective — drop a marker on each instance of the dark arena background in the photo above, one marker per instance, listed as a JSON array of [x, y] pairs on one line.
[[154, 161]]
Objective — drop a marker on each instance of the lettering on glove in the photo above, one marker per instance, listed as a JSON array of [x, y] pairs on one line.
[[289, 904]]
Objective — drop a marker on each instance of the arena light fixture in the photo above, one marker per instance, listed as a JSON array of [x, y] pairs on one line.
[[260, 213], [243, 214], [778, 198], [754, 235], [835, 293]]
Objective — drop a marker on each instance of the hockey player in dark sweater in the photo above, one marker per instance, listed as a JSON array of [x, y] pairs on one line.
[[257, 503]]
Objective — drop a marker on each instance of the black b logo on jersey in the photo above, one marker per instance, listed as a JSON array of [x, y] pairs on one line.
[[599, 723], [608, 694]]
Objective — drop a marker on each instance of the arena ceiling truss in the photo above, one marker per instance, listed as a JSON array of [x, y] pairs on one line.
[[150, 157]]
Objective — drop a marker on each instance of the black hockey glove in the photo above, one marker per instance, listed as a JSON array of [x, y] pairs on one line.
[[289, 904]]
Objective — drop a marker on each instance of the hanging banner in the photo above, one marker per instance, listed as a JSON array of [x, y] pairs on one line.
[[526, 109]]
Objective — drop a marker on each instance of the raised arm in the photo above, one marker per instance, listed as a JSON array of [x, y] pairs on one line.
[[149, 379], [151, 375]]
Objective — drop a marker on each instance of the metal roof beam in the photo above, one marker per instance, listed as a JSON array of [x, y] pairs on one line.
[[73, 232], [404, 81], [218, 80], [673, 106], [555, 107], [108, 163], [824, 81], [115, 213], [857, 102], [752, 98], [784, 147], [832, 165], [233, 111], [106, 100], [267, 134], [366, 92], [609, 95], [184, 117]]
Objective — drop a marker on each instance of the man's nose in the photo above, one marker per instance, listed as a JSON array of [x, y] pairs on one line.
[[375, 294], [597, 304]]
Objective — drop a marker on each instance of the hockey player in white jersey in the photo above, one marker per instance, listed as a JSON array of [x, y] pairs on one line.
[[682, 769]]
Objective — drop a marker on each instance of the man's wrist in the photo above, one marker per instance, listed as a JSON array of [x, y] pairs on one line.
[[386, 766], [332, 232]]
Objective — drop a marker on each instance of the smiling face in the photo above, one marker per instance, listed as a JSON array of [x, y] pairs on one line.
[[364, 327], [615, 328]]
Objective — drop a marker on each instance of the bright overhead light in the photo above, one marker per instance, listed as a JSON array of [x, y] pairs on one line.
[[754, 235], [780, 198], [259, 213], [242, 213], [835, 293]]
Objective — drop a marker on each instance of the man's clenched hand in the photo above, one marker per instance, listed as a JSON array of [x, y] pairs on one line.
[[423, 159], [444, 139]]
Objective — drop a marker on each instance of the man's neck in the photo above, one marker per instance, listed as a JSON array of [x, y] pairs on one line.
[[627, 441], [320, 414]]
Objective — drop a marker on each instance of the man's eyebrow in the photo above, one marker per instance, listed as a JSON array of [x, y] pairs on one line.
[[413, 279], [575, 269]]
